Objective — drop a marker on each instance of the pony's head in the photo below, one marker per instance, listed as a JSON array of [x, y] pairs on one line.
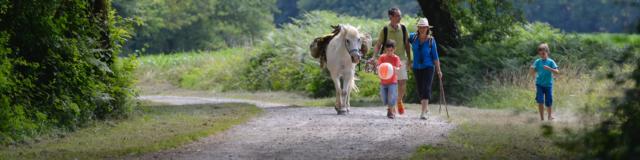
[[353, 41]]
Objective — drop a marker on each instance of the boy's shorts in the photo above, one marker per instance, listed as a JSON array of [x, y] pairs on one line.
[[389, 94], [544, 95]]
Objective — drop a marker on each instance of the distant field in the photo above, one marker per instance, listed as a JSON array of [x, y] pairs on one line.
[[615, 38], [204, 70]]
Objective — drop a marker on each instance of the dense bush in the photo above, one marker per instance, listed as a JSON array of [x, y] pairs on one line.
[[60, 66]]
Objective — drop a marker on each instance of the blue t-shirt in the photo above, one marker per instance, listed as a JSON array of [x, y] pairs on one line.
[[544, 77], [424, 55]]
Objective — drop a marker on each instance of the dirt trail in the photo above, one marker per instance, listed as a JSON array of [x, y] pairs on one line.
[[310, 133]]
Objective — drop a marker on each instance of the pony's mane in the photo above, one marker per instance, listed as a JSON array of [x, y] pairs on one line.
[[347, 30]]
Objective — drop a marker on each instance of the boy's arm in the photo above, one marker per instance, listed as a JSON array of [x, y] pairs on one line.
[[554, 70], [532, 70]]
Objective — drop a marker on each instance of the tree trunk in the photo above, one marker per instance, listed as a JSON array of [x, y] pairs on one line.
[[100, 15], [445, 29]]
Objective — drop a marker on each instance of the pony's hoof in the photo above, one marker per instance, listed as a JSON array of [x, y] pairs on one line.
[[342, 112]]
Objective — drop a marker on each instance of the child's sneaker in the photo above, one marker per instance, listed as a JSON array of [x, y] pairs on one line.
[[390, 114], [400, 107]]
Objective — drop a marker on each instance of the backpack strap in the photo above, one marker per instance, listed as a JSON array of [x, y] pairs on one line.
[[385, 31], [414, 39]]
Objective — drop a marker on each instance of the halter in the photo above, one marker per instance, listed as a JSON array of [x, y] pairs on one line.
[[350, 50]]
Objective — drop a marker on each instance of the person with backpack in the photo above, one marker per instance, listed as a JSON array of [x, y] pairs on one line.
[[397, 32], [425, 53]]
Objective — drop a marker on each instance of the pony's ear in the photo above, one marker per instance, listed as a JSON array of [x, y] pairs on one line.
[[336, 28], [365, 37]]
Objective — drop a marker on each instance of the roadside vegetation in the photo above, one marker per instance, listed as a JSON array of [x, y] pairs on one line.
[[152, 127]]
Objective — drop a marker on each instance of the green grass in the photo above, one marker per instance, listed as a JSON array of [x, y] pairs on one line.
[[572, 90], [194, 70], [153, 128], [504, 97], [494, 134]]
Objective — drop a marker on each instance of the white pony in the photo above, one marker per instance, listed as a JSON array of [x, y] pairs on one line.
[[343, 53]]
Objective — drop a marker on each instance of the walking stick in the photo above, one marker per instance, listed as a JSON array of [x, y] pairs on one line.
[[443, 98], [440, 109]]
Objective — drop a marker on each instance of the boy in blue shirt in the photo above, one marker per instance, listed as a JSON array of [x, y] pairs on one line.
[[543, 69]]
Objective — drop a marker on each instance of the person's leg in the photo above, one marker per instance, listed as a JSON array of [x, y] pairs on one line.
[[385, 98], [383, 94], [540, 101], [541, 111], [425, 108], [419, 76], [548, 100], [402, 85], [393, 95], [428, 81]]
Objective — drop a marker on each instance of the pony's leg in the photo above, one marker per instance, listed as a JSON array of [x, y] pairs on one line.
[[336, 83], [348, 97], [346, 90]]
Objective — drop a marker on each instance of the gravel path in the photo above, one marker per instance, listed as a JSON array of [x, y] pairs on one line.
[[310, 133]]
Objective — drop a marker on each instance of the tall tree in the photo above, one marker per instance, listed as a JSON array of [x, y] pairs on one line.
[[446, 29]]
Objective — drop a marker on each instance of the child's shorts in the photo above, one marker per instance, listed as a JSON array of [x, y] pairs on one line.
[[544, 95], [389, 94]]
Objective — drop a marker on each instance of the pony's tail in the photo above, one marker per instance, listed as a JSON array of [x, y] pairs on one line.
[[353, 85]]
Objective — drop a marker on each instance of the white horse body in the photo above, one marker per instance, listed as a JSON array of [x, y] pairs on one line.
[[343, 53]]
